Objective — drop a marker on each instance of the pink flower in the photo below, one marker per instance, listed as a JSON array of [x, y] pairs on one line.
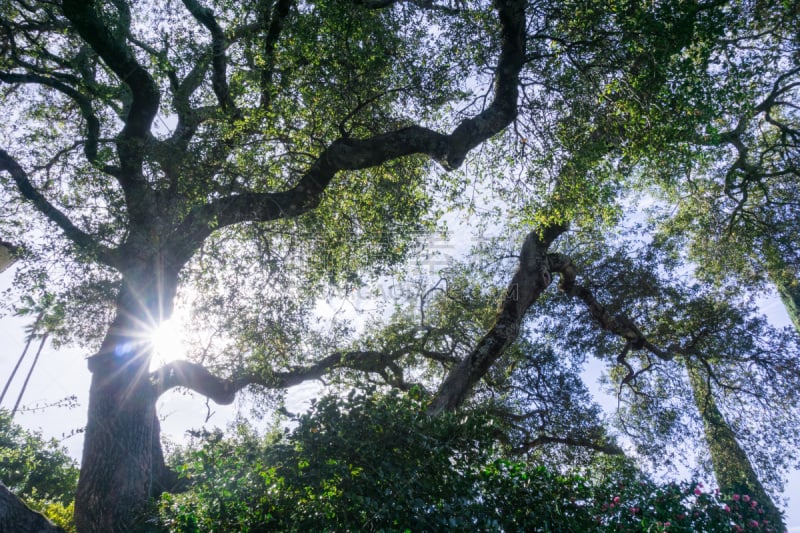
[[746, 498], [634, 510], [697, 492], [616, 499], [754, 523], [738, 529], [736, 497], [727, 508], [667, 524]]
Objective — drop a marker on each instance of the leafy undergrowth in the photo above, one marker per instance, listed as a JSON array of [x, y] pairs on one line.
[[379, 463]]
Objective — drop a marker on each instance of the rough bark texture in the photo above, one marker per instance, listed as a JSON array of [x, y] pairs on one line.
[[732, 468], [122, 465], [116, 478], [16, 517]]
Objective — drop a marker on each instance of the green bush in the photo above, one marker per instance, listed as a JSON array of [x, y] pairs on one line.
[[379, 463]]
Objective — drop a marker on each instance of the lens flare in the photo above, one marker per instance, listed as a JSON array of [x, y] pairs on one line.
[[168, 343]]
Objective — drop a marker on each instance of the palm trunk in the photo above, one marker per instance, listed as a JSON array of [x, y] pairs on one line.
[[732, 468]]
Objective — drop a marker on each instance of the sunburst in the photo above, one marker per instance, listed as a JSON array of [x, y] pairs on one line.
[[168, 342]]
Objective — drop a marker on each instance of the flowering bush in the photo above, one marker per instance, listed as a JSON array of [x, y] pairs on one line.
[[678, 507], [378, 463]]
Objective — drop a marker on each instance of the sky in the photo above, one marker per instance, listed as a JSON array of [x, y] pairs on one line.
[[62, 373]]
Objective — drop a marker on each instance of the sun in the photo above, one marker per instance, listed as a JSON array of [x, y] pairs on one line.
[[168, 343]]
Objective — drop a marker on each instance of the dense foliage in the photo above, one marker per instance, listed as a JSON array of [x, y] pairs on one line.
[[378, 463], [628, 172], [38, 471]]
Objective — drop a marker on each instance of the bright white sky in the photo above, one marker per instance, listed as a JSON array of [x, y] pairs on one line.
[[62, 373]]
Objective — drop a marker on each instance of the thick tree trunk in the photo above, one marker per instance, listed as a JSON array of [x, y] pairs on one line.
[[732, 468], [117, 467], [122, 466]]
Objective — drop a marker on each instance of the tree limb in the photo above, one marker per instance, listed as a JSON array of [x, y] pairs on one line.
[[527, 284], [279, 14], [84, 104], [354, 154], [223, 391], [85, 17], [219, 61], [85, 241], [422, 4], [619, 325]]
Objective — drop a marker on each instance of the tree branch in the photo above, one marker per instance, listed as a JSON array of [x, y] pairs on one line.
[[353, 154], [85, 241], [84, 104], [619, 325], [422, 4], [85, 17], [279, 14], [527, 284], [223, 391], [219, 61]]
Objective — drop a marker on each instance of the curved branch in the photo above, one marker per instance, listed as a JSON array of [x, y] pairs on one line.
[[29, 192], [84, 104], [422, 4], [85, 17], [527, 284], [619, 325], [354, 154], [279, 14], [219, 61], [223, 391]]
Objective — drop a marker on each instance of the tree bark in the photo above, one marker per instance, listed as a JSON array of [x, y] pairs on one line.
[[530, 280], [117, 466], [16, 517], [732, 468], [122, 465]]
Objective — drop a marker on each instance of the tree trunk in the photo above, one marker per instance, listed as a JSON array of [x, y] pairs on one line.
[[784, 276], [732, 468], [122, 465], [789, 290], [117, 466]]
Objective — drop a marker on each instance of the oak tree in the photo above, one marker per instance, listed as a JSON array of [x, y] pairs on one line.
[[246, 157]]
